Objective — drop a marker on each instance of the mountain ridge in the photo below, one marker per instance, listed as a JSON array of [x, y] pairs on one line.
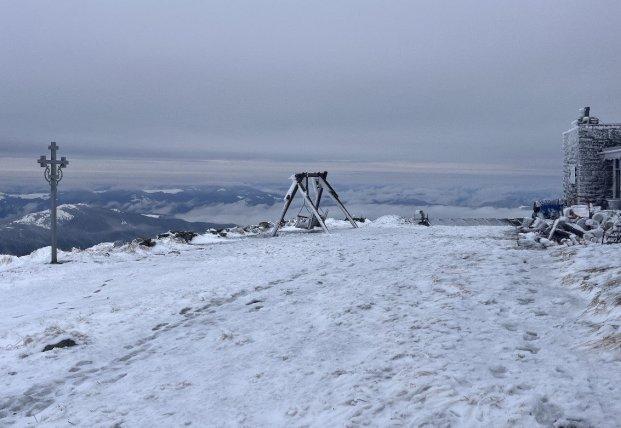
[[83, 225]]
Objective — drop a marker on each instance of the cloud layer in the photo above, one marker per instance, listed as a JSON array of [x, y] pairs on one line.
[[469, 82]]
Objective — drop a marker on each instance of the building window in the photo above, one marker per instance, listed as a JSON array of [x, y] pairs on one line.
[[572, 173]]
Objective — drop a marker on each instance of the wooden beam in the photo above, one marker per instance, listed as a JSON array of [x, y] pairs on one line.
[[288, 199], [338, 201], [313, 208]]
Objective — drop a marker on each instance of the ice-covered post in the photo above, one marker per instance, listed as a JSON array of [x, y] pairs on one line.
[[53, 174]]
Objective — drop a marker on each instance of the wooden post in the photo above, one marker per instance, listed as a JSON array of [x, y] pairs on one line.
[[318, 193], [288, 199], [313, 208], [338, 201]]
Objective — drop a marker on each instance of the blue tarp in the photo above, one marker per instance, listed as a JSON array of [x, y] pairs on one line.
[[549, 208]]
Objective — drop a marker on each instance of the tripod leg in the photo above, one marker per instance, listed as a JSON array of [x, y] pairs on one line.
[[338, 201], [288, 199], [313, 208], [318, 194]]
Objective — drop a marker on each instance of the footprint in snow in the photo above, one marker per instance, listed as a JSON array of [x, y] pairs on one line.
[[529, 348], [498, 371], [518, 389], [160, 325], [509, 326]]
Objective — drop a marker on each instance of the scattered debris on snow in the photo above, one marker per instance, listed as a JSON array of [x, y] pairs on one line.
[[572, 228]]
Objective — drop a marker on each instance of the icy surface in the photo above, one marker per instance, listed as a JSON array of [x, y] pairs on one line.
[[388, 324]]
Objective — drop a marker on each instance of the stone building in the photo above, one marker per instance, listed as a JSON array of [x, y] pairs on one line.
[[592, 153]]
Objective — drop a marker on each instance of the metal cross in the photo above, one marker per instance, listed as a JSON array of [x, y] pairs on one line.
[[53, 174]]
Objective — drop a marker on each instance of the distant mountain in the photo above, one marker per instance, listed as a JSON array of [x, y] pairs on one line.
[[398, 200], [169, 202], [244, 204], [83, 226]]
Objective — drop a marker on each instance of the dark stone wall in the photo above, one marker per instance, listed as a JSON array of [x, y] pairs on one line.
[[582, 146], [570, 151]]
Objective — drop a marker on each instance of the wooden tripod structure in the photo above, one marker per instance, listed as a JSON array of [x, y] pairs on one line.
[[301, 182]]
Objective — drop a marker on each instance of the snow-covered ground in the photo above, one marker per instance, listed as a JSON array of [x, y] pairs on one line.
[[388, 324]]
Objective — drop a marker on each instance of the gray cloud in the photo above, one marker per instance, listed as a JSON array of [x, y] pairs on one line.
[[398, 81], [140, 173]]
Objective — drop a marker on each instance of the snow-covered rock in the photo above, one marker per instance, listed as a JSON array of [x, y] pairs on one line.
[[388, 221], [64, 213]]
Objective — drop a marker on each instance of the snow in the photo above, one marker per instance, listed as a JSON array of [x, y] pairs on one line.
[[594, 270], [208, 238], [388, 324], [42, 218], [388, 221]]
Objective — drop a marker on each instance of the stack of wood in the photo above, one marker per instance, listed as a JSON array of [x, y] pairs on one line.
[[575, 227]]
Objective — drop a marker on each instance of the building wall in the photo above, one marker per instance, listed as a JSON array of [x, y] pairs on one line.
[[582, 146], [570, 161]]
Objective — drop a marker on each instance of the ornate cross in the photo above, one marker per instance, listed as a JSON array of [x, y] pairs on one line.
[[53, 174]]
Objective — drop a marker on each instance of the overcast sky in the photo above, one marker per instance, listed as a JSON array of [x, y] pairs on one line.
[[468, 82]]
